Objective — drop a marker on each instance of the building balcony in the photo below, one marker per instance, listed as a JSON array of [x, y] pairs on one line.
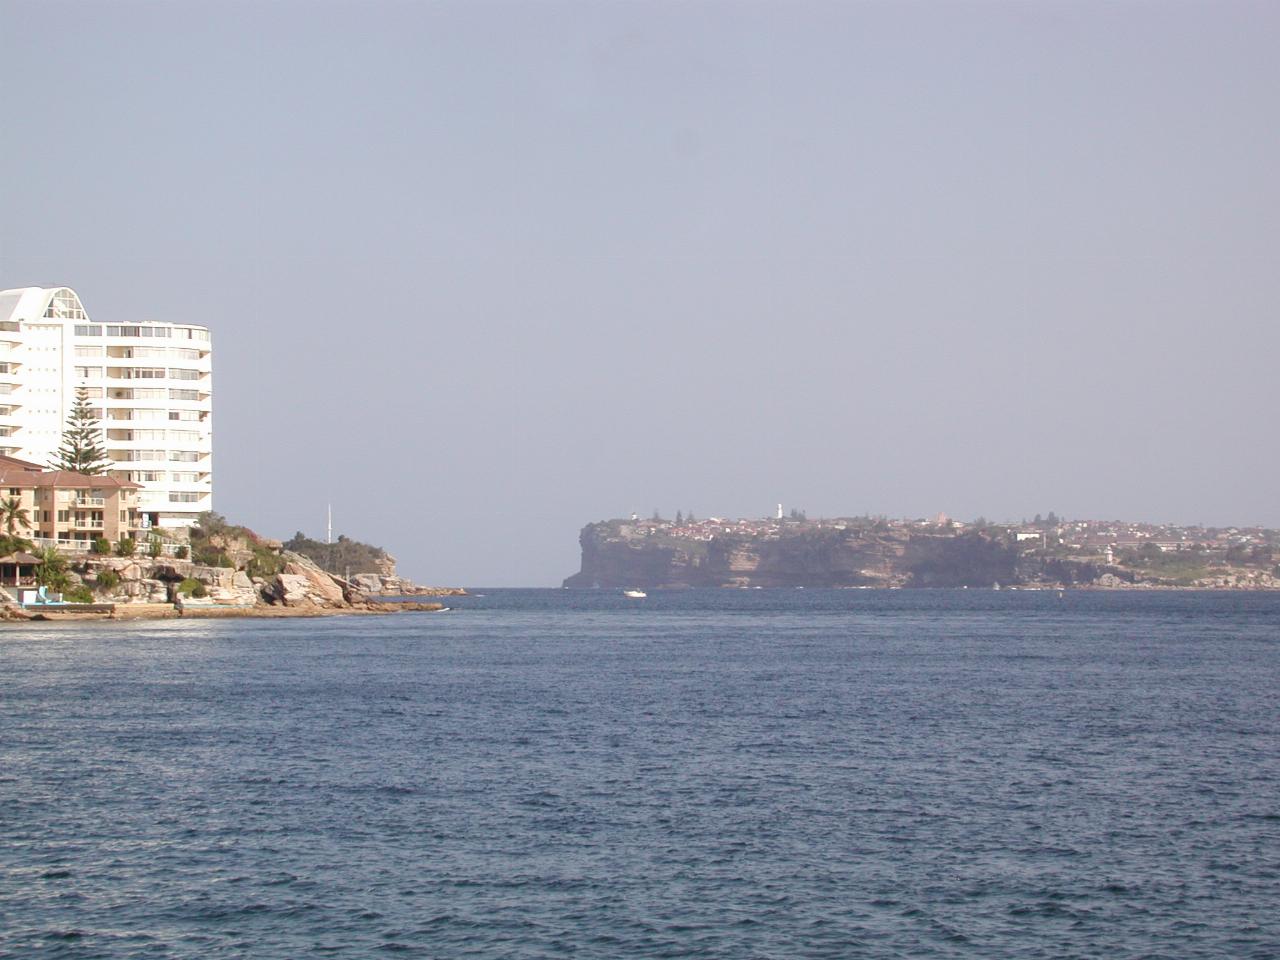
[[87, 524], [124, 460], [90, 502]]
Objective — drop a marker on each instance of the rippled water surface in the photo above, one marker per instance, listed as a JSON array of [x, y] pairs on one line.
[[703, 774]]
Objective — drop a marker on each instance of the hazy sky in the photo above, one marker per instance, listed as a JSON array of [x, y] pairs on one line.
[[479, 273]]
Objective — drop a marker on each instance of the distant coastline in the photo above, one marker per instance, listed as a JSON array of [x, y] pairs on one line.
[[941, 552]]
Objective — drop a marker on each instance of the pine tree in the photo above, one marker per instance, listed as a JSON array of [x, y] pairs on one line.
[[81, 449]]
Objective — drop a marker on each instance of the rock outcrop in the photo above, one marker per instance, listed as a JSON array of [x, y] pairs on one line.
[[301, 583]]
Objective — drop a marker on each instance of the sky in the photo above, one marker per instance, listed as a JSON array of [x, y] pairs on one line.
[[479, 273]]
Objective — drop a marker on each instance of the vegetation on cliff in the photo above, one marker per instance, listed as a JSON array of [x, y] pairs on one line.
[[215, 541], [342, 557]]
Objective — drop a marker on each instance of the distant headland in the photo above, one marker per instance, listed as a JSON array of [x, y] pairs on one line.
[[1045, 553]]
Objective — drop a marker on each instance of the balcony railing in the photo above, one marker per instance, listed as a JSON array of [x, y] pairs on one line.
[[67, 545], [87, 502]]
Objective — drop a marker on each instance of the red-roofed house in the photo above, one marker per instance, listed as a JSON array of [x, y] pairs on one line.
[[69, 510]]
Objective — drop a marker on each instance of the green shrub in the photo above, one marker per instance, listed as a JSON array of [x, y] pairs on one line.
[[78, 594], [101, 545], [265, 563], [108, 579], [126, 546], [182, 552], [153, 547], [191, 587], [210, 556]]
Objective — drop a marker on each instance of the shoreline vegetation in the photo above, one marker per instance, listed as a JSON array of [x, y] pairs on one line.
[[219, 570]]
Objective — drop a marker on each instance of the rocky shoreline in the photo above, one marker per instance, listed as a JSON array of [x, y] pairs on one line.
[[260, 579]]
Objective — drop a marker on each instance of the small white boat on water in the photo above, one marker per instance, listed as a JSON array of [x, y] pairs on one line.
[[634, 594]]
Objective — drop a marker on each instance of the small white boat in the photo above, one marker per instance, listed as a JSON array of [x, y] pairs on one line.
[[634, 594]]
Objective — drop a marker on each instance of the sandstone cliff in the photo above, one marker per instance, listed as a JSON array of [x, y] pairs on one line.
[[856, 553]]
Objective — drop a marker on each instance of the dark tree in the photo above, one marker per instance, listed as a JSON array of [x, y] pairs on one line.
[[81, 449]]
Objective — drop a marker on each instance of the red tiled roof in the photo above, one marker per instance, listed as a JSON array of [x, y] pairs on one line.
[[13, 463], [24, 477]]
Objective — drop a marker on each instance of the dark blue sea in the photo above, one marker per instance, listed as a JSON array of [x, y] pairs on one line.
[[718, 774]]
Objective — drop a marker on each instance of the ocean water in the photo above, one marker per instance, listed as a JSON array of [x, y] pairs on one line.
[[701, 774]]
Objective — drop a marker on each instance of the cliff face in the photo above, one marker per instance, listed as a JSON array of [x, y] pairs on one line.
[[616, 554], [860, 552], [612, 556]]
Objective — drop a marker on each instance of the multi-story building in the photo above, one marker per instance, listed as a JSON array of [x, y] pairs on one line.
[[149, 383], [70, 510]]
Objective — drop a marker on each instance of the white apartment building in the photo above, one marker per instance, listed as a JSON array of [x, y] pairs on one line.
[[149, 383]]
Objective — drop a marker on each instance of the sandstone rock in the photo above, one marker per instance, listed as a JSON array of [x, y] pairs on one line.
[[174, 570], [305, 584], [219, 577], [291, 589], [369, 583], [154, 591]]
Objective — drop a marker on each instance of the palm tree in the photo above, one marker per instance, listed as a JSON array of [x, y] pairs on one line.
[[13, 513], [51, 571]]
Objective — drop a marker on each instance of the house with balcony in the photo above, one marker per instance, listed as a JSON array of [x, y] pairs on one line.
[[70, 510]]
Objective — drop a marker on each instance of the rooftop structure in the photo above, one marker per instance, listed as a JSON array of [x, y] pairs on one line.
[[148, 382]]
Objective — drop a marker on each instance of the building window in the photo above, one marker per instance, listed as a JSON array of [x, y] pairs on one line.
[[179, 496], [88, 330]]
